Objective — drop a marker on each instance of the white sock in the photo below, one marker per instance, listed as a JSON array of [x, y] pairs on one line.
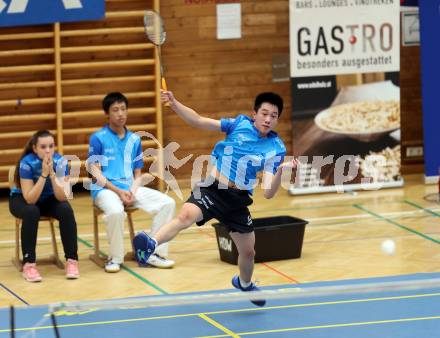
[[243, 284]]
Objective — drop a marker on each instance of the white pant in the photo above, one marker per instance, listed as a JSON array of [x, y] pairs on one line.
[[149, 200]]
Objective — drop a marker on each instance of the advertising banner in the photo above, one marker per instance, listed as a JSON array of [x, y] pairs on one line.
[[32, 12], [345, 61]]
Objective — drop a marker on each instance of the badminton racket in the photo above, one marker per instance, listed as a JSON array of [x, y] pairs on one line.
[[155, 31]]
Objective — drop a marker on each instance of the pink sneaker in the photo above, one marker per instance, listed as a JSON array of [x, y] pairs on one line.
[[72, 270], [30, 273]]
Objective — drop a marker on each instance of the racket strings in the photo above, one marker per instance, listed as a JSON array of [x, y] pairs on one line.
[[154, 28]]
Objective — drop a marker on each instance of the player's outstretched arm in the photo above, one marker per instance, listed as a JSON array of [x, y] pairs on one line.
[[189, 115], [272, 182]]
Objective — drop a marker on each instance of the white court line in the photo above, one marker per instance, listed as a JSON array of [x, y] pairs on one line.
[[316, 219], [101, 235], [48, 239], [361, 195], [386, 214]]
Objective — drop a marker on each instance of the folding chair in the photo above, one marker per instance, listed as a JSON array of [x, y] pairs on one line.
[[16, 260], [98, 257]]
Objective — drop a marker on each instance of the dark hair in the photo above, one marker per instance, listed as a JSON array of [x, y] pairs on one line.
[[269, 97], [29, 148], [111, 98]]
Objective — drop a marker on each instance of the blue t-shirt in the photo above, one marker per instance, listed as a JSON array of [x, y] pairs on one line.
[[30, 168], [118, 157], [244, 153]]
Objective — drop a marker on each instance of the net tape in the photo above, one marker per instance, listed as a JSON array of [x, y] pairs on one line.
[[230, 297]]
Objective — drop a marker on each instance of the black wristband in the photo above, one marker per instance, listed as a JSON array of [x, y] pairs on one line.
[[44, 176]]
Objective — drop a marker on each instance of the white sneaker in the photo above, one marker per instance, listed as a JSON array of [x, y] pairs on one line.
[[160, 262], [112, 267]]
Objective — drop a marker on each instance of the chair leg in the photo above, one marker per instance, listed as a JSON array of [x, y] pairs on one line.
[[55, 257], [130, 255], [97, 257], [16, 259]]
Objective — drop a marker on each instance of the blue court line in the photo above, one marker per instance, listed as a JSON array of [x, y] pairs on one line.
[[13, 293], [130, 271], [397, 224]]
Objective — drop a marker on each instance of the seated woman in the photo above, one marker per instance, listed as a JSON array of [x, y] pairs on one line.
[[39, 179]]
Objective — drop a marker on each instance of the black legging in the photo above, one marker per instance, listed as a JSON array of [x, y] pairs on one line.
[[30, 216]]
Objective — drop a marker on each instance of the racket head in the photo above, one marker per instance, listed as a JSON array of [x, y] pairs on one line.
[[154, 28]]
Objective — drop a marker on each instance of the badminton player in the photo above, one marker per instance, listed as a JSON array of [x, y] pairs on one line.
[[250, 146]]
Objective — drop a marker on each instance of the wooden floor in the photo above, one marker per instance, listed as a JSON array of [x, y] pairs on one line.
[[342, 241]]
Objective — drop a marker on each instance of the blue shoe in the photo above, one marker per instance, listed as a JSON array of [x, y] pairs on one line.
[[144, 247], [236, 284]]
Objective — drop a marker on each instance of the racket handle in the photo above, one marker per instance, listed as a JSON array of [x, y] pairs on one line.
[[164, 84], [165, 88]]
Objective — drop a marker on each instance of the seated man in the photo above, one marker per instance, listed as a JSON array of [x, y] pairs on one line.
[[115, 160]]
